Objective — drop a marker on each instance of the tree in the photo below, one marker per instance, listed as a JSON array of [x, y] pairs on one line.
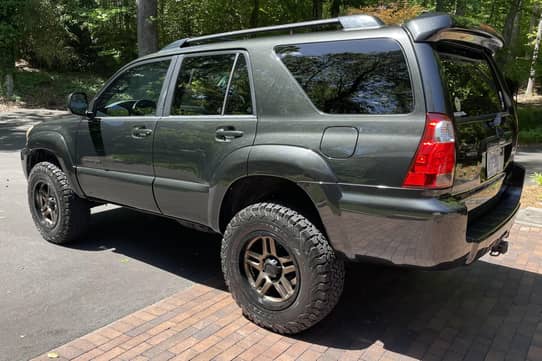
[[11, 28], [512, 22], [317, 9], [147, 30], [254, 14], [335, 8], [532, 73]]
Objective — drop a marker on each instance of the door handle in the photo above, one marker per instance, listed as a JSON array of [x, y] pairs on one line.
[[141, 132], [227, 134]]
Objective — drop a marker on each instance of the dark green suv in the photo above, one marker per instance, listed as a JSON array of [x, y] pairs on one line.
[[348, 140]]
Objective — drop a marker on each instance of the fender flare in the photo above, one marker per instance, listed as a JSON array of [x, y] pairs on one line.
[[55, 143], [302, 166]]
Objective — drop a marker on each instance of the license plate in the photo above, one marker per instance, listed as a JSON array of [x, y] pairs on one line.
[[494, 161]]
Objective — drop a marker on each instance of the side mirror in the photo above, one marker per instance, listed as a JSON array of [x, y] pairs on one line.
[[78, 103]]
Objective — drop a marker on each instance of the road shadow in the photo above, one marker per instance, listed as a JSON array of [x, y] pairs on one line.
[[13, 126], [463, 313], [158, 241]]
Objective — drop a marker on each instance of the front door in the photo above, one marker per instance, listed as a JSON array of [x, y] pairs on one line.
[[211, 115], [115, 147]]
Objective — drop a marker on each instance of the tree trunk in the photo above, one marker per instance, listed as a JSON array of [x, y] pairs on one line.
[[335, 8], [460, 7], [440, 5], [532, 23], [532, 73], [317, 9], [511, 23], [255, 14], [147, 33], [9, 85]]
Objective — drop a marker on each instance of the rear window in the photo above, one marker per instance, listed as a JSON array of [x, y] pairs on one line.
[[367, 76], [471, 85]]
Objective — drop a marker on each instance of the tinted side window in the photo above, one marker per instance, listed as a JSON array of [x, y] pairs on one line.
[[135, 92], [239, 100], [368, 76], [201, 85], [471, 84]]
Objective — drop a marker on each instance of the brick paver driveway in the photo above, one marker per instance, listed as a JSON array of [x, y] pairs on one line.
[[491, 310]]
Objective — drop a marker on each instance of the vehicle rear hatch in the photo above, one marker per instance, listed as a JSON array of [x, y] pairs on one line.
[[484, 120], [478, 103]]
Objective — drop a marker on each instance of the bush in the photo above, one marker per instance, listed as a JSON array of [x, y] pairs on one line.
[[530, 136], [530, 117], [530, 124]]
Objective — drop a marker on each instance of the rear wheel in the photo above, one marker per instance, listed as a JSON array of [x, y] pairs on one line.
[[59, 214], [280, 268]]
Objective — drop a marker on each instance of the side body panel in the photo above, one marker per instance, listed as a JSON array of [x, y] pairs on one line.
[[187, 154], [115, 162], [112, 165], [385, 143]]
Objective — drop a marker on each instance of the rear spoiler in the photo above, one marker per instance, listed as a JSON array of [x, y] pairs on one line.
[[435, 27]]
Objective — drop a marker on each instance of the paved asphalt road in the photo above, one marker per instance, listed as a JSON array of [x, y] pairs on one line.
[[51, 294]]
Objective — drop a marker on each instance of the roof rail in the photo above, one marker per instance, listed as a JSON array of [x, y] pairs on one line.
[[351, 22]]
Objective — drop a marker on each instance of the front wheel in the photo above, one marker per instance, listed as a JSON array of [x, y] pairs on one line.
[[59, 214], [280, 269]]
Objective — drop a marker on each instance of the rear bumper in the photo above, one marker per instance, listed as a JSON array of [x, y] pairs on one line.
[[404, 230]]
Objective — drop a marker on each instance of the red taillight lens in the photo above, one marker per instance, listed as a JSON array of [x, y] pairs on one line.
[[434, 163]]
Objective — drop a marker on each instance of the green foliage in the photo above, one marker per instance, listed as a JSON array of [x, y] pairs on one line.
[[50, 89], [530, 124], [530, 117], [100, 35], [538, 178], [530, 136], [11, 30]]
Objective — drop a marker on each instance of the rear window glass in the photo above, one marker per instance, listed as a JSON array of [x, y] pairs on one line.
[[471, 85], [368, 76], [201, 85]]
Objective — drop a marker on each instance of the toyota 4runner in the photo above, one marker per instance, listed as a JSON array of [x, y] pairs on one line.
[[304, 145]]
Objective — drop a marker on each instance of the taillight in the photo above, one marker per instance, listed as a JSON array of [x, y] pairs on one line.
[[434, 163]]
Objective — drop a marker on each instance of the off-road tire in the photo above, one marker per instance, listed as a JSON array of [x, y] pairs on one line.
[[73, 212], [321, 272]]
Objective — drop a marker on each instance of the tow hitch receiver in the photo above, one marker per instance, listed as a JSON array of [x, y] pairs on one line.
[[501, 247]]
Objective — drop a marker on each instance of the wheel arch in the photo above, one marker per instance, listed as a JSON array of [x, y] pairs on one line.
[[265, 188], [263, 172], [52, 147]]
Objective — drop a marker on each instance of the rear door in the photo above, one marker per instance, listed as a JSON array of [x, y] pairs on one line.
[[209, 114], [485, 122]]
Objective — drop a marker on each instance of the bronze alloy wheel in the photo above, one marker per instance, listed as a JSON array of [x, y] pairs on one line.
[[270, 269], [280, 268], [59, 214], [46, 204]]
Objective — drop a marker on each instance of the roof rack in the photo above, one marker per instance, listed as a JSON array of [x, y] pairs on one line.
[[351, 22]]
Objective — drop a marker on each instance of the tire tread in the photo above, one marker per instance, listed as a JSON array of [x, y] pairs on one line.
[[322, 259]]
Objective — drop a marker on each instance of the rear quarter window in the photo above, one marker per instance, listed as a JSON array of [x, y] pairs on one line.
[[471, 85], [364, 76]]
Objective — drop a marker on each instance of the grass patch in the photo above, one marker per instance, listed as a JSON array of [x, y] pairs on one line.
[[41, 89], [530, 123], [538, 178]]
